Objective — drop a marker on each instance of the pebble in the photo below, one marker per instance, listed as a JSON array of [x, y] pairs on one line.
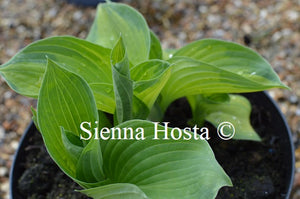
[[52, 12], [15, 144], [263, 13], [292, 15], [213, 19], [293, 99], [203, 9], [5, 186], [3, 171], [298, 112], [7, 95], [218, 33], [77, 15], [2, 133]]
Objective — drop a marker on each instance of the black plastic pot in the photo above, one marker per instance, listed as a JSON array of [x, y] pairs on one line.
[[92, 3], [280, 143], [16, 169], [261, 101]]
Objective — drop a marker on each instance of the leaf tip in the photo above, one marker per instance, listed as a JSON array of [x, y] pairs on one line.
[[286, 87]]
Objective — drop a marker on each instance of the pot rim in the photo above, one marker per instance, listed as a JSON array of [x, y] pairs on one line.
[[16, 158], [290, 138]]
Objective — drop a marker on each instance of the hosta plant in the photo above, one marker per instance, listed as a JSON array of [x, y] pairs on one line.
[[101, 103]]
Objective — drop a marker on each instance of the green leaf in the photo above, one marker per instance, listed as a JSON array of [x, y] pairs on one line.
[[139, 109], [217, 98], [193, 77], [149, 78], [156, 114], [123, 86], [90, 164], [24, 72], [116, 191], [103, 120], [34, 118], [236, 111], [155, 50], [235, 58], [104, 96], [113, 20], [65, 100], [168, 53], [163, 168], [197, 101], [72, 144]]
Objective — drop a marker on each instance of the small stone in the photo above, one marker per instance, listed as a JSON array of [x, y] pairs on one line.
[[292, 15], [263, 13], [6, 125], [182, 36], [272, 94], [246, 28], [219, 33], [15, 144], [297, 180], [7, 95], [293, 99], [21, 29], [297, 112], [4, 186], [52, 12], [276, 36], [3, 171], [77, 15], [10, 52], [2, 133], [203, 9], [286, 32], [213, 19], [238, 3], [297, 154]]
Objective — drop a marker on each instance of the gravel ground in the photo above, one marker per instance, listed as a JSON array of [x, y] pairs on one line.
[[270, 27]]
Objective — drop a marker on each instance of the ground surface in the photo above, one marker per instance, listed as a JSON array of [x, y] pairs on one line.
[[270, 27]]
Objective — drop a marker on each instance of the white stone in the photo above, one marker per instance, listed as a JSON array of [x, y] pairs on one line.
[[293, 15], [77, 15], [3, 171], [14, 144], [2, 133]]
